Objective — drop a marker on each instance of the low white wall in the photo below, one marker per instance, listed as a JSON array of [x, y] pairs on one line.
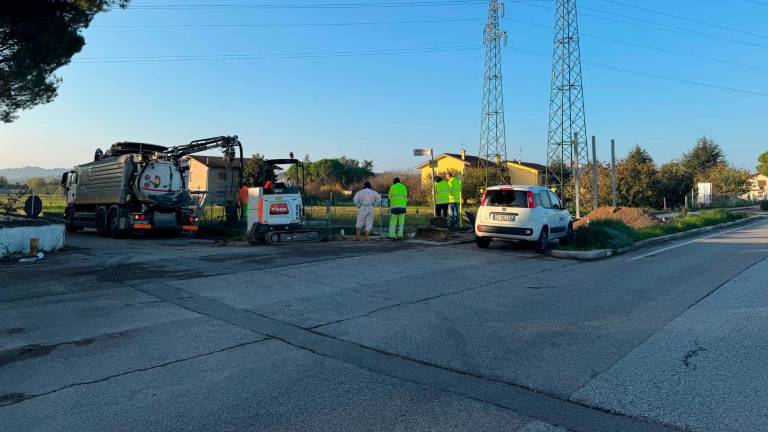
[[16, 240]]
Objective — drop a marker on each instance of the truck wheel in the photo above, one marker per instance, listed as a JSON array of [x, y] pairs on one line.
[[70, 226], [113, 222], [101, 222]]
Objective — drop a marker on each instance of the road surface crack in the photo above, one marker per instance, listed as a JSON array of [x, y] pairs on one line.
[[427, 299], [14, 398], [691, 354]]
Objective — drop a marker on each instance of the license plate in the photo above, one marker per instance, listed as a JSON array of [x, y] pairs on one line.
[[501, 217]]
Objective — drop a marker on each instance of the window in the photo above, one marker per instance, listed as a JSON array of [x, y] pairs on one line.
[[544, 198], [537, 200], [506, 198], [555, 200]]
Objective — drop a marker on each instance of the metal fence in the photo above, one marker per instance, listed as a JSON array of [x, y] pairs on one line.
[[331, 216]]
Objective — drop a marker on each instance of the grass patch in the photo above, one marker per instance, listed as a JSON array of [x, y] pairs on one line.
[[613, 234], [700, 220]]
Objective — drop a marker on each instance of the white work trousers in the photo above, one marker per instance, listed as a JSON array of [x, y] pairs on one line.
[[365, 217]]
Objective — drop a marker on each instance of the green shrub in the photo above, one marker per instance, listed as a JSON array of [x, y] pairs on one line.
[[604, 234], [764, 205]]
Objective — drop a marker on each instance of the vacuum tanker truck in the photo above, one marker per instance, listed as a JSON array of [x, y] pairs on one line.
[[137, 187]]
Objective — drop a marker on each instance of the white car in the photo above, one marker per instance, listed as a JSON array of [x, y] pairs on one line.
[[525, 213]]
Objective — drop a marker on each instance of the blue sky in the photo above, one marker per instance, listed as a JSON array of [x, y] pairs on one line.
[[381, 106]]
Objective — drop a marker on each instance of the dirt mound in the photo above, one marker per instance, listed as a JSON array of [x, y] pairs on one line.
[[634, 217]]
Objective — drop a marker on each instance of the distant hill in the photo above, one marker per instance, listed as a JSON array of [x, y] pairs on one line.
[[24, 173]]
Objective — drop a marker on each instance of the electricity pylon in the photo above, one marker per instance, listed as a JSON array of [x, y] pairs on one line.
[[567, 141], [493, 144]]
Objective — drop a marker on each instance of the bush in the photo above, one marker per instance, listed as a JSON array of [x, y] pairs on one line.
[[764, 205], [604, 234]]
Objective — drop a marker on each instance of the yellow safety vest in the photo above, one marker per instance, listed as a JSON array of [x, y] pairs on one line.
[[442, 192], [398, 195], [455, 184]]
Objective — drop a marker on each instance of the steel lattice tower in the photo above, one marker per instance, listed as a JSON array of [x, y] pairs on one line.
[[493, 144], [566, 102]]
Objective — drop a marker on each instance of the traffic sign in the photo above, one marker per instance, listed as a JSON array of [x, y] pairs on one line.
[[422, 152]]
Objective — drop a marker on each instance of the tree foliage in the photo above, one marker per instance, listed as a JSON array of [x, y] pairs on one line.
[[586, 186], [472, 182], [253, 172], [418, 193], [728, 180], [36, 38], [637, 179], [341, 171], [763, 167], [3, 182], [41, 186], [705, 155], [675, 182]]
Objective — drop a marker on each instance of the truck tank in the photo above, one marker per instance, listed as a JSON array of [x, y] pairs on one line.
[[116, 178]]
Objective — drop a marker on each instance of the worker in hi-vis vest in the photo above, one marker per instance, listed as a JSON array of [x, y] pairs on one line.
[[442, 197], [453, 200], [398, 202]]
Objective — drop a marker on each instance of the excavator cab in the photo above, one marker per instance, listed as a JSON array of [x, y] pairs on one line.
[[276, 210]]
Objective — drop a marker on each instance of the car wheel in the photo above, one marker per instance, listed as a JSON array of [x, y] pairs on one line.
[[483, 242], [543, 242], [568, 236]]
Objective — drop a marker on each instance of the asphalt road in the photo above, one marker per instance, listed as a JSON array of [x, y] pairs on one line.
[[190, 335]]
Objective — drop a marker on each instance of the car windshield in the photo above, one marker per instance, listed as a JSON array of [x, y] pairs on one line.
[[506, 198]]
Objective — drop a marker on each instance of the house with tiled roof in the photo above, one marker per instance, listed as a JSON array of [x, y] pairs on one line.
[[519, 172]]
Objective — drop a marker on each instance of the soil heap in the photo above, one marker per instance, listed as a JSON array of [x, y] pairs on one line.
[[633, 217]]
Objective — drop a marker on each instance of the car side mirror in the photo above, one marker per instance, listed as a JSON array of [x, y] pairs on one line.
[[564, 206]]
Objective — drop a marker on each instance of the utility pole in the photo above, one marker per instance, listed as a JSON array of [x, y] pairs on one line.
[[493, 144], [613, 174], [595, 181], [575, 146], [566, 103]]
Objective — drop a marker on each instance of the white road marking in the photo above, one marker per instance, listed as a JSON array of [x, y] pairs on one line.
[[656, 252]]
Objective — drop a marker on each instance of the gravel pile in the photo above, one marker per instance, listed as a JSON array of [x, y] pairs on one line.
[[633, 217]]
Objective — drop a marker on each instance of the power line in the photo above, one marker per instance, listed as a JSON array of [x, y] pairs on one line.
[[653, 24], [650, 47], [401, 4], [645, 74], [395, 51], [695, 21], [264, 56], [329, 24]]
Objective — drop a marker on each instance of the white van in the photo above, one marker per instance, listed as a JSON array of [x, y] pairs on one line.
[[525, 213]]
